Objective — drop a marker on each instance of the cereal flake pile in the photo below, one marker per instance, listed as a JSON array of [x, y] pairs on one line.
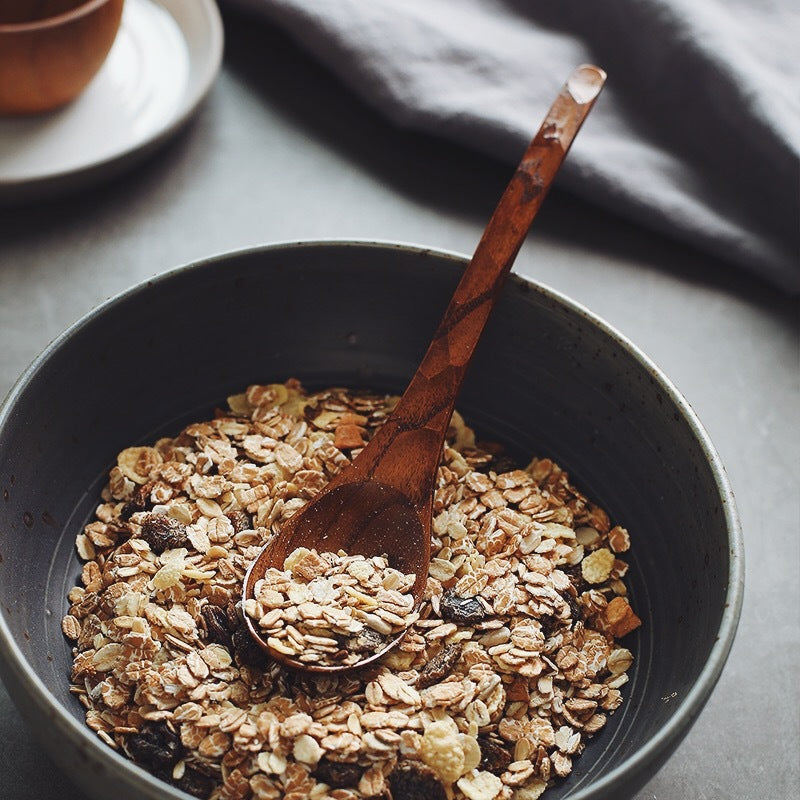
[[512, 664], [331, 608]]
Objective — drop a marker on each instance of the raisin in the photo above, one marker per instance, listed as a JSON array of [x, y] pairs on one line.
[[231, 630], [120, 531], [155, 747], [163, 533], [233, 615], [338, 776], [480, 462], [216, 621], [494, 757], [139, 501], [240, 521], [504, 463], [440, 666], [492, 457], [195, 783], [412, 780], [549, 626], [245, 650], [575, 575], [574, 606], [207, 768], [367, 641], [461, 610]]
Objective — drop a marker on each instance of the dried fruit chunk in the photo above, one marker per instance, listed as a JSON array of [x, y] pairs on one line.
[[618, 618], [366, 641], [155, 747], [461, 610], [336, 775], [195, 783], [411, 780], [245, 649], [348, 436], [163, 533], [240, 520], [494, 757], [216, 621], [138, 501], [440, 666]]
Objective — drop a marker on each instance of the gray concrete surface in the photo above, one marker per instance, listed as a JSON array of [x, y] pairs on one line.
[[280, 152]]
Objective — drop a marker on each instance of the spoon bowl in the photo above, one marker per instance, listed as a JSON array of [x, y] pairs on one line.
[[381, 504], [392, 526]]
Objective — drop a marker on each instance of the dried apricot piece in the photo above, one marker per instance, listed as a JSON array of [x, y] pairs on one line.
[[618, 618]]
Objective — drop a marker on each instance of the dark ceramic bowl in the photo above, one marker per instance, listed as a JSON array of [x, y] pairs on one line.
[[548, 378]]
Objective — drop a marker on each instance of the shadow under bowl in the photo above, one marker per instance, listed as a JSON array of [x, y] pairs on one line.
[[549, 378]]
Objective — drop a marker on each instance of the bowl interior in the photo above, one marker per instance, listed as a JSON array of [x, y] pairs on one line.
[[546, 380], [20, 12]]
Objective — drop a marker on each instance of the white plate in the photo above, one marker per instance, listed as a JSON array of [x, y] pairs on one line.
[[162, 64]]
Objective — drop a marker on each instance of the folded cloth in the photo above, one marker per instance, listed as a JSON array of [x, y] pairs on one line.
[[696, 135]]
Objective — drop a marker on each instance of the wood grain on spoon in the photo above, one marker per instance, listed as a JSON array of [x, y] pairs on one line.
[[381, 503]]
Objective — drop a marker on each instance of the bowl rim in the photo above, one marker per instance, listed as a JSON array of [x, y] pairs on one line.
[[54, 21], [687, 708]]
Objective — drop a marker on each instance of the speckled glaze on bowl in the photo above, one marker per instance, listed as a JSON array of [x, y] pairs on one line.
[[548, 378]]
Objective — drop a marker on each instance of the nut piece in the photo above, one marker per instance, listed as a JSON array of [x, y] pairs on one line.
[[348, 436], [618, 539]]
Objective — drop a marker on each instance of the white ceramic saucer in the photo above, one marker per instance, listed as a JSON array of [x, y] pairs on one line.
[[163, 62]]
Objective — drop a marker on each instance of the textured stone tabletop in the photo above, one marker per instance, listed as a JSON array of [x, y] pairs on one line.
[[280, 152]]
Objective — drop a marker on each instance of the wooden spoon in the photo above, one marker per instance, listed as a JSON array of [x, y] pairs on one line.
[[381, 503]]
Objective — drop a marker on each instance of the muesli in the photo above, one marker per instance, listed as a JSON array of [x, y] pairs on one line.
[[331, 609], [512, 664]]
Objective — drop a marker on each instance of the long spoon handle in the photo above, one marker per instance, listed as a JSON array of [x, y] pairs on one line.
[[415, 431]]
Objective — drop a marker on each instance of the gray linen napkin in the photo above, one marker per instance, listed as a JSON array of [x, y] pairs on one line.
[[697, 134]]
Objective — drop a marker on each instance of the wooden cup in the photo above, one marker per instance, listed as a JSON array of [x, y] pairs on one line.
[[51, 49]]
